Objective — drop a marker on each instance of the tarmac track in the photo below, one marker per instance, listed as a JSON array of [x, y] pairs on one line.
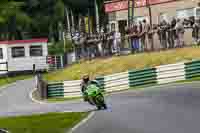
[[163, 109]]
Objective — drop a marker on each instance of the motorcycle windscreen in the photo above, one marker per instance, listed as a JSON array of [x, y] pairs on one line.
[[92, 90]]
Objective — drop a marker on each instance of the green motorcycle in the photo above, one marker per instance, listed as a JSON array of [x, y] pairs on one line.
[[95, 95]]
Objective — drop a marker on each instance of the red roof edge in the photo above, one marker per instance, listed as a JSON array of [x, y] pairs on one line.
[[25, 41]]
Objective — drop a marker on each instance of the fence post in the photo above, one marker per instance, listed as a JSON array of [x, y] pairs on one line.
[[61, 61], [41, 85], [55, 59]]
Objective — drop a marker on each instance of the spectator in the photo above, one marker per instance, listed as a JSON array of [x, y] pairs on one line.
[[110, 42], [156, 37], [180, 33], [164, 34], [139, 33], [150, 37], [159, 35], [170, 35], [135, 38], [144, 35], [116, 42], [126, 40], [196, 32], [174, 35], [118, 39]]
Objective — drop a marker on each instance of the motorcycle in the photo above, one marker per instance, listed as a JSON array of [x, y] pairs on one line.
[[95, 95]]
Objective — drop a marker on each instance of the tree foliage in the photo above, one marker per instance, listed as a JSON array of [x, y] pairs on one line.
[[57, 48]]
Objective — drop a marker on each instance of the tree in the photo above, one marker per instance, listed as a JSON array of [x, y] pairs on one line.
[[47, 15], [12, 17]]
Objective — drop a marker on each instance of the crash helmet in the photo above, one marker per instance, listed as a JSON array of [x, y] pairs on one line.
[[86, 78]]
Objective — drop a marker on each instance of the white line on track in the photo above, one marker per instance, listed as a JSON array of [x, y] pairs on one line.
[[82, 122]]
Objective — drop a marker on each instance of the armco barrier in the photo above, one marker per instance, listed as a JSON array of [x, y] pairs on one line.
[[192, 69], [116, 82], [170, 73], [133, 78], [142, 77], [55, 90]]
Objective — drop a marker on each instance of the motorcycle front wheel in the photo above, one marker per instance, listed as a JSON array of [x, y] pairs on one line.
[[100, 102]]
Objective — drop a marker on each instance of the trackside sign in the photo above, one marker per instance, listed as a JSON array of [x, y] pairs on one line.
[[123, 5]]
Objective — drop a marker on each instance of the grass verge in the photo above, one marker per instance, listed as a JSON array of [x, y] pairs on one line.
[[101, 67], [45, 123], [9, 80], [190, 80]]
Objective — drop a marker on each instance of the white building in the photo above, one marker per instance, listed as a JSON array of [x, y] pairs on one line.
[[23, 55]]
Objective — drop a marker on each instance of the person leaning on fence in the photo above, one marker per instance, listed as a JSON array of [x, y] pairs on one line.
[[196, 32], [170, 36], [150, 38], [144, 35], [180, 33], [134, 39], [174, 36], [164, 34], [139, 35], [116, 42]]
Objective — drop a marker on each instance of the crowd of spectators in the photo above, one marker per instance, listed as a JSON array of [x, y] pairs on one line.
[[141, 37], [170, 34]]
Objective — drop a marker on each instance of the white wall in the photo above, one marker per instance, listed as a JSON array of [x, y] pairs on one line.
[[3, 66], [71, 58], [116, 25], [122, 15], [4, 48], [26, 63]]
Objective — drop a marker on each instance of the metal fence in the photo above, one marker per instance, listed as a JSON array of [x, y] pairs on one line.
[[60, 61], [55, 62]]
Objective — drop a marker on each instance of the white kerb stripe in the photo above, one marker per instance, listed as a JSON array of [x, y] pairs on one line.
[[115, 78], [169, 80], [115, 81], [117, 84], [174, 74], [116, 75], [170, 72], [170, 68], [171, 65]]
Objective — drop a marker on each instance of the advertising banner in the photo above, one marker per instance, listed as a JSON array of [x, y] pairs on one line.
[[123, 5]]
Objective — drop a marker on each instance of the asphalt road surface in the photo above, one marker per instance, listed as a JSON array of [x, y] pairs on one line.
[[163, 109], [171, 109], [15, 100]]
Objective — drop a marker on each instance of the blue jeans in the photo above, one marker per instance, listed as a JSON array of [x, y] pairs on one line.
[[135, 44]]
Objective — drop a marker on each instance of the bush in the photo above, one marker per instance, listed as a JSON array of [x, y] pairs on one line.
[[57, 48]]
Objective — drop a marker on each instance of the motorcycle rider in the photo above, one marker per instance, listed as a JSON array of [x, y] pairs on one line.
[[84, 84]]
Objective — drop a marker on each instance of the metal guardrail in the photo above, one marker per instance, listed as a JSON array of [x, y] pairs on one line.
[[133, 78], [192, 69]]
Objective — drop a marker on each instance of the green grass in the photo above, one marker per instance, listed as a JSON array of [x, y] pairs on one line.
[[190, 80], [101, 67], [45, 123], [8, 80]]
